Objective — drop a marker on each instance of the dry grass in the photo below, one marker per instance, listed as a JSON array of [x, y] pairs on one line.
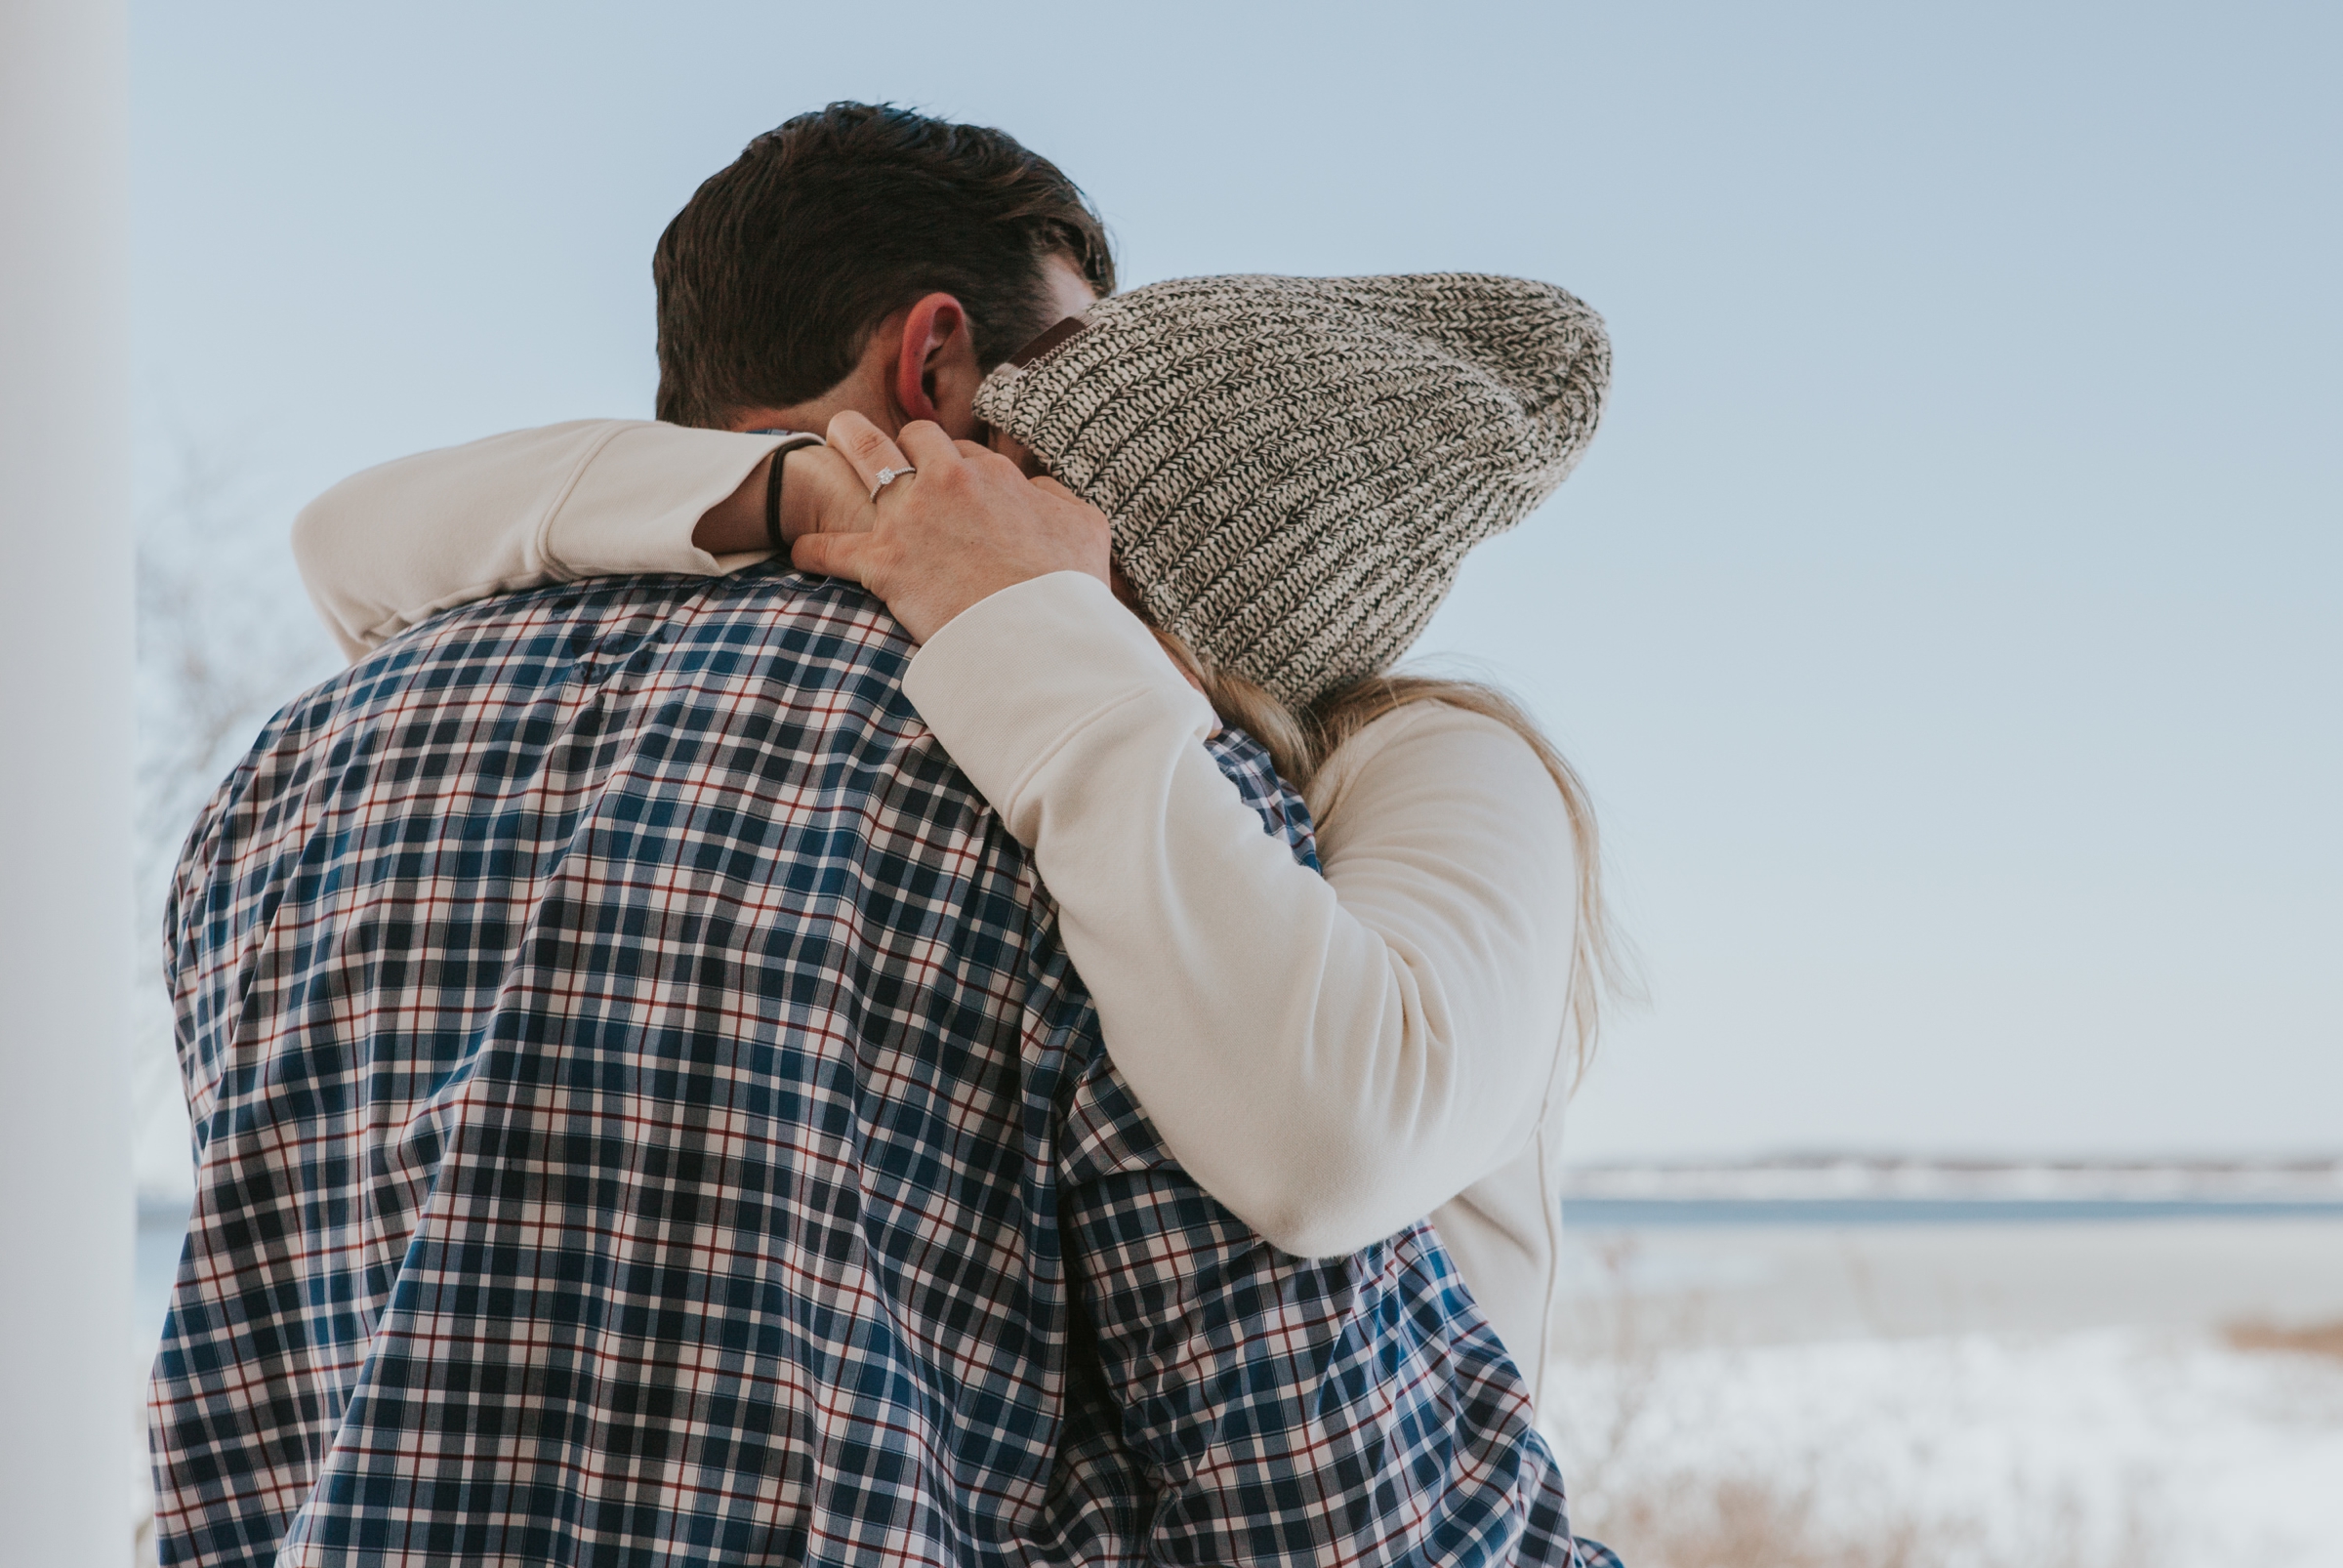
[[1708, 1521], [2315, 1339], [1695, 1521]]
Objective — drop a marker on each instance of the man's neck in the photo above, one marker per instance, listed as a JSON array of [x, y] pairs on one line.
[[862, 391]]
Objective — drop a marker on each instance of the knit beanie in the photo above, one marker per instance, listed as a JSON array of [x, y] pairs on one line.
[[1294, 467]]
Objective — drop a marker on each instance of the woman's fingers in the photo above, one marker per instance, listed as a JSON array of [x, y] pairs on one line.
[[835, 555], [926, 444], [919, 446], [865, 446], [823, 493]]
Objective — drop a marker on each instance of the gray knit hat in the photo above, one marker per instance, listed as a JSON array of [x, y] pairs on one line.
[[1295, 465]]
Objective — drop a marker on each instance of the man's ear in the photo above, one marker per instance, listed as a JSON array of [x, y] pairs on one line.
[[936, 367]]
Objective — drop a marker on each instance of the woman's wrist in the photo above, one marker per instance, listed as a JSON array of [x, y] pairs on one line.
[[737, 525]]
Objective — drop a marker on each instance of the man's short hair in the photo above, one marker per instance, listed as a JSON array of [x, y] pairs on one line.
[[774, 274]]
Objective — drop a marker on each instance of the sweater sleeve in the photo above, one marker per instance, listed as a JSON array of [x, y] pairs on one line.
[[1332, 1058], [396, 544]]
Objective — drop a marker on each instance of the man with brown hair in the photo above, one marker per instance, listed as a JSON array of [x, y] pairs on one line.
[[773, 277], [644, 1111]]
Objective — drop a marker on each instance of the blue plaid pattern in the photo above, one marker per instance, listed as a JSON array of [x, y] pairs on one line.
[[645, 1115]]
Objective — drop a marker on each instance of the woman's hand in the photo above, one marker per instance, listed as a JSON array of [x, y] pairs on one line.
[[964, 525], [822, 494]]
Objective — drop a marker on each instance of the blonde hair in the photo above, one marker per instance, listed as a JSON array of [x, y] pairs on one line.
[[1601, 966]]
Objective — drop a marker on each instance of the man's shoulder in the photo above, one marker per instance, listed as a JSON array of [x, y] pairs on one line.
[[754, 609], [754, 636], [643, 666]]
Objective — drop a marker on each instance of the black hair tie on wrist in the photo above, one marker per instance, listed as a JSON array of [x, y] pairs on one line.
[[772, 502], [791, 440]]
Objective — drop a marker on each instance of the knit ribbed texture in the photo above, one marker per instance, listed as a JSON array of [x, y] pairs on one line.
[[1294, 467]]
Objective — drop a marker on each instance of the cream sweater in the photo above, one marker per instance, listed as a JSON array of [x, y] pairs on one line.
[[1332, 1058]]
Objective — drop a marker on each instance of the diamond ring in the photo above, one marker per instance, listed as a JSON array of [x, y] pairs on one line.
[[887, 477]]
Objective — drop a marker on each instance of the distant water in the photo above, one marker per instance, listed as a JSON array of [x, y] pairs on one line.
[[1634, 1214], [162, 1226]]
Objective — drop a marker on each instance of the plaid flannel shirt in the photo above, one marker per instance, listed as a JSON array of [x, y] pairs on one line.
[[645, 1115]]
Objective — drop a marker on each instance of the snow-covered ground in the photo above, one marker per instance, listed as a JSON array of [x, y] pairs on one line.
[[2102, 1447], [1789, 1399]]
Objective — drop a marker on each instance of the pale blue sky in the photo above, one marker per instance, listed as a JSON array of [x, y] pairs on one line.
[[1948, 618]]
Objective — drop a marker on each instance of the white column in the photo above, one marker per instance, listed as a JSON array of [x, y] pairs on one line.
[[65, 1215]]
